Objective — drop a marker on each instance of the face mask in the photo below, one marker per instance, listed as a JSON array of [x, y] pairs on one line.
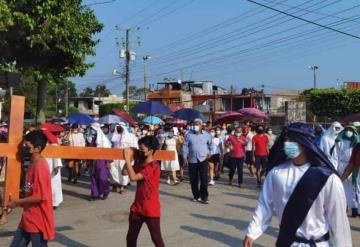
[[292, 149], [349, 134], [270, 132], [212, 133], [218, 132], [238, 134], [138, 133], [196, 128], [232, 132], [171, 135], [260, 131], [144, 132]]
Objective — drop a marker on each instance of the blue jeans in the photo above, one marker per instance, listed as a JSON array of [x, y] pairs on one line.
[[23, 238]]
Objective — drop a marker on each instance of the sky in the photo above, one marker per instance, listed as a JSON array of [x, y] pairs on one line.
[[230, 42]]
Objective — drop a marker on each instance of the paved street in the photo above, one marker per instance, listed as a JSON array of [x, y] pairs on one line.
[[184, 223]]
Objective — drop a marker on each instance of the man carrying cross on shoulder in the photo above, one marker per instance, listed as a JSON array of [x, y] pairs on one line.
[[304, 190]]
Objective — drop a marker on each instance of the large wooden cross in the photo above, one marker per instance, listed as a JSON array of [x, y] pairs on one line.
[[12, 150]]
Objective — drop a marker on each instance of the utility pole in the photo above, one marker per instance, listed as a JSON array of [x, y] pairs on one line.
[[128, 55], [56, 99], [67, 99], [314, 68], [127, 67], [145, 58]]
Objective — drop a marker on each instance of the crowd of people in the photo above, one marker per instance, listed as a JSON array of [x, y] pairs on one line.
[[205, 151]]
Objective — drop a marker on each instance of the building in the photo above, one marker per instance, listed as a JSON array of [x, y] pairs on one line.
[[178, 94], [90, 105], [278, 99], [352, 85]]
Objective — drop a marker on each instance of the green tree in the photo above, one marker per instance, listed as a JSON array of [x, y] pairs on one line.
[[101, 91], [87, 92], [49, 39]]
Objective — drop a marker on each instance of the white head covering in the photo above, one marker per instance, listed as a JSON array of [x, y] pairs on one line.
[[124, 140], [328, 139], [102, 140]]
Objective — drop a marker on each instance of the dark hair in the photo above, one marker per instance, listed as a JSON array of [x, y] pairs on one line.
[[74, 126], [150, 142], [37, 139]]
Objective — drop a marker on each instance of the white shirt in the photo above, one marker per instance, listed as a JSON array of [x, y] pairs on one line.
[[77, 139], [249, 138], [327, 214]]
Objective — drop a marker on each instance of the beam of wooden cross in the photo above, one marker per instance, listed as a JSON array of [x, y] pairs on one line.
[[12, 150]]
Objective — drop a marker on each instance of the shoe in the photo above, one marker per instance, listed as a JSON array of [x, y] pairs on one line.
[[204, 201], [168, 181], [258, 184], [104, 197], [196, 199], [354, 212], [176, 182], [93, 198], [212, 182]]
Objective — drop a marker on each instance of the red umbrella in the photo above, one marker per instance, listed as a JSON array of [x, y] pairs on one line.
[[253, 113], [51, 127], [124, 115], [351, 118], [229, 117]]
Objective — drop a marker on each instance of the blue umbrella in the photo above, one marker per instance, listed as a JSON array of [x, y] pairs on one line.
[[80, 118], [189, 114], [152, 120], [152, 108], [110, 119]]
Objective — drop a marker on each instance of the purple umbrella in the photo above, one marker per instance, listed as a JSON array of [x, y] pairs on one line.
[[253, 113], [110, 119], [351, 118], [229, 117], [152, 108]]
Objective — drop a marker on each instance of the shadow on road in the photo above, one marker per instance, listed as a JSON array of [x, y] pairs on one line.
[[247, 208], [251, 197], [238, 224], [175, 195], [217, 236]]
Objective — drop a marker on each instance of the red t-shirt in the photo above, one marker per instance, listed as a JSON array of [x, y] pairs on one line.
[[147, 202], [238, 144], [261, 145], [40, 217]]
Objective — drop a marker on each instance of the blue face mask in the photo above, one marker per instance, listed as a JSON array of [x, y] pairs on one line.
[[292, 149]]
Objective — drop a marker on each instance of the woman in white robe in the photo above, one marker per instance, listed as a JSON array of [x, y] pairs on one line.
[[328, 139], [121, 138], [171, 166]]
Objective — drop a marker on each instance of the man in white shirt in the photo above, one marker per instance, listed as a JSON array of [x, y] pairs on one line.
[[304, 190]]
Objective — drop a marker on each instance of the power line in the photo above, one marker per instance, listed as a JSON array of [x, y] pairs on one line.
[[305, 20], [144, 20], [209, 30], [100, 3], [315, 12], [252, 28], [168, 13], [126, 20], [253, 31]]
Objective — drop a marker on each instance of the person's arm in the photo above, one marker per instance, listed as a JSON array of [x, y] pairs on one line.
[[209, 146], [348, 170], [27, 201], [128, 154], [185, 150], [262, 215], [335, 212]]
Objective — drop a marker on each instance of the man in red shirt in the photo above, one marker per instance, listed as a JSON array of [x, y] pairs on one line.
[[146, 207], [37, 221], [236, 143], [261, 152]]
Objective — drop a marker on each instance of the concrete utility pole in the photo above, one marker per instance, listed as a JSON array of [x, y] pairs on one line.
[[314, 68], [128, 56], [67, 99], [145, 58]]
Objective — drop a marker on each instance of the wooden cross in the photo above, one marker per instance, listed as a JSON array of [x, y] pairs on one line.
[[12, 150]]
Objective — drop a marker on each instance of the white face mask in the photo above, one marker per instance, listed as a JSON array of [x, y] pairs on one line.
[[212, 134], [238, 134], [270, 132], [218, 132], [196, 128], [349, 134]]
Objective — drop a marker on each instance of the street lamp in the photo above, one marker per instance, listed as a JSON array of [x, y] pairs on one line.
[[314, 68], [145, 58]]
